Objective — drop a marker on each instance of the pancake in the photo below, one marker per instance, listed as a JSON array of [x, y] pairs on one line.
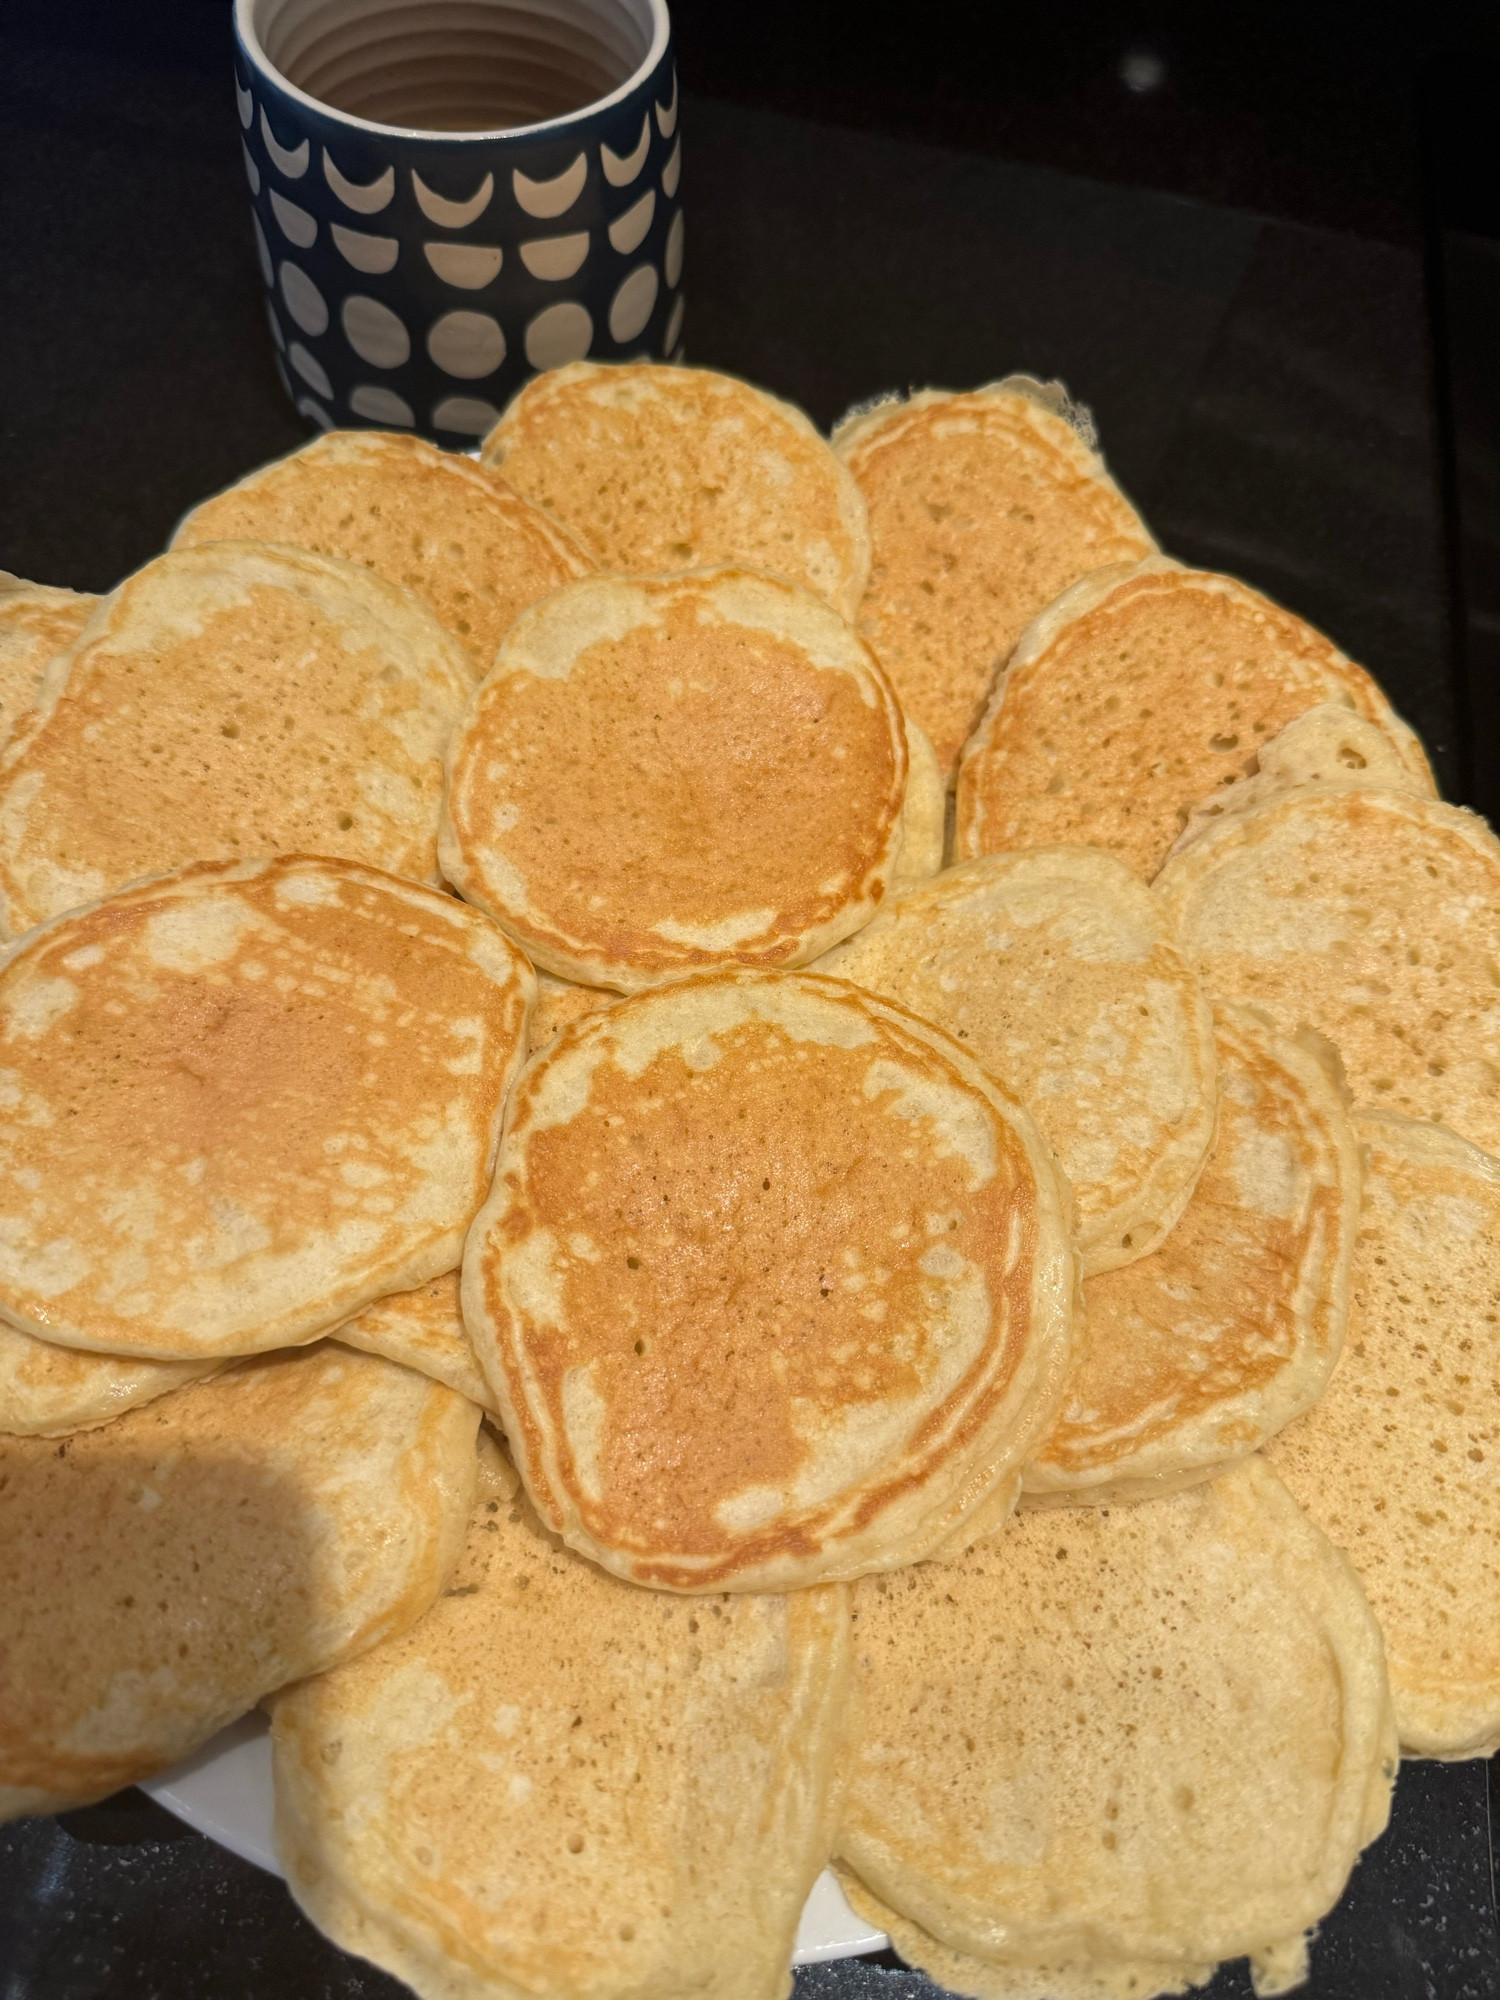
[[1080, 1979], [424, 1330], [983, 507], [558, 1002], [432, 521], [665, 775], [774, 1286], [1396, 1463], [1057, 974], [1373, 918], [36, 623], [1136, 696], [1158, 1733], [924, 813], [556, 1784], [48, 1391], [1199, 1353], [245, 1101], [1329, 745], [660, 469], [227, 701], [162, 1574]]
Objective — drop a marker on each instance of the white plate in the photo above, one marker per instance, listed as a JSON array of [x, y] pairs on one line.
[[225, 1792]]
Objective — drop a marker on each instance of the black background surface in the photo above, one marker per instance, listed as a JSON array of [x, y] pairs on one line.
[[1231, 270]]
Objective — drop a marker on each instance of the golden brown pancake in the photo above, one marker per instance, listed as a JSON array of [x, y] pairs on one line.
[[1157, 1733], [1370, 916], [983, 507], [1199, 1353], [228, 701], [558, 1002], [159, 1576], [659, 469], [924, 813], [774, 1286], [557, 1784], [422, 1329], [244, 1101], [1056, 972], [432, 521], [665, 775], [1329, 745], [49, 1391], [1397, 1462], [1135, 697], [37, 622]]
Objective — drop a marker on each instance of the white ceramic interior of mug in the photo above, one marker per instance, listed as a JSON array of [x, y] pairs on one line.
[[455, 68]]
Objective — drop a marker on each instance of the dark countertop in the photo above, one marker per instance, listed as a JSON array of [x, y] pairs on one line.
[[1263, 389]]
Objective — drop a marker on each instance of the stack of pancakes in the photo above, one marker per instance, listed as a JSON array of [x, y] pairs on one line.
[[922, 1078]]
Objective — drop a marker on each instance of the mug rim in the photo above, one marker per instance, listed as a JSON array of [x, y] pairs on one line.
[[249, 41]]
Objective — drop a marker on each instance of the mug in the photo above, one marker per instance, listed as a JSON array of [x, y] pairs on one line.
[[448, 195]]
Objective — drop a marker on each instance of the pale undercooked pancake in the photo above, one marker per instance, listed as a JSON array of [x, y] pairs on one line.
[[1279, 1967], [664, 775], [982, 508], [1372, 917], [1397, 1462], [244, 1101], [36, 622], [924, 813], [557, 1784], [559, 1001], [774, 1286], [1058, 975], [432, 521], [422, 1329], [659, 469], [48, 1391], [1329, 745], [227, 701], [1137, 695], [1078, 1979], [1158, 1733], [1197, 1354], [162, 1574]]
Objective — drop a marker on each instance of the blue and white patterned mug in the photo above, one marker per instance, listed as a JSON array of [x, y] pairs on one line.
[[451, 194]]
